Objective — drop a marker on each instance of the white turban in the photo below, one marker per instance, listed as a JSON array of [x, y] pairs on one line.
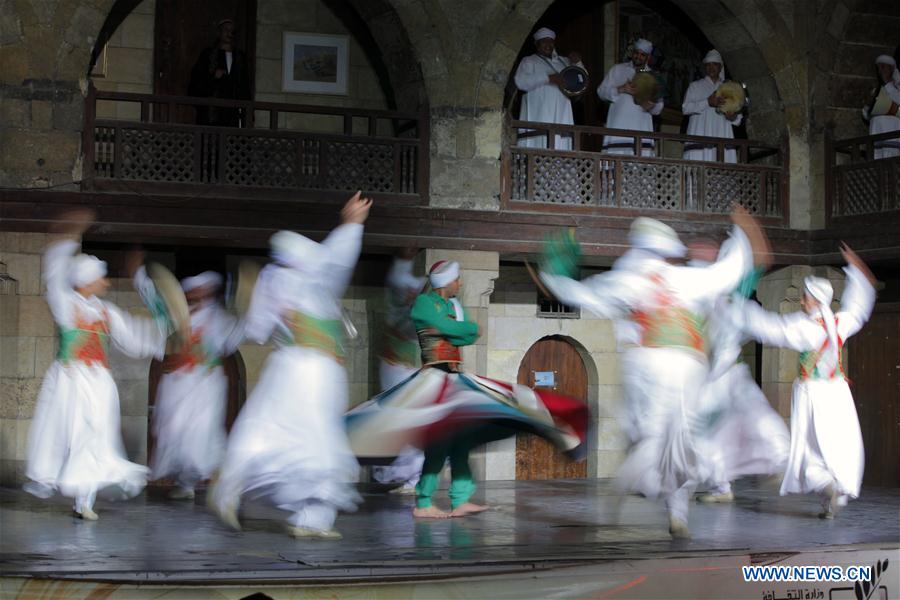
[[643, 45], [86, 269], [544, 33], [713, 56], [443, 273], [205, 279], [655, 236], [295, 250], [820, 289], [885, 59]]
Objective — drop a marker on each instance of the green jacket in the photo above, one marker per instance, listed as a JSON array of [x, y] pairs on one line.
[[431, 311]]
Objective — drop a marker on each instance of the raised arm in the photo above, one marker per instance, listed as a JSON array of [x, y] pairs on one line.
[[136, 337], [343, 245], [859, 295], [57, 258], [795, 331], [605, 295]]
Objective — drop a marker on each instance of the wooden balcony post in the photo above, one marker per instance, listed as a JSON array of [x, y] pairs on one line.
[[88, 135]]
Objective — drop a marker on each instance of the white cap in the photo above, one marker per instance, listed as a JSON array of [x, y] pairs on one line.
[[443, 273], [86, 269], [295, 250], [713, 56], [544, 33], [645, 46], [205, 279], [655, 236], [886, 59]]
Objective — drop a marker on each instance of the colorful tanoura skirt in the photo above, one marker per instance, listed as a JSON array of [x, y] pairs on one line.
[[433, 406]]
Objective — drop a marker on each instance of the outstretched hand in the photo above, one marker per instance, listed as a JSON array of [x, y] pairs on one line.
[[853, 259], [133, 260], [762, 251], [356, 210]]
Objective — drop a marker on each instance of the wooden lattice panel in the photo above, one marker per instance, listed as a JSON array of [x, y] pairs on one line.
[[357, 165], [519, 176], [651, 185], [857, 189], [261, 161], [563, 180], [150, 155], [725, 186], [104, 151]]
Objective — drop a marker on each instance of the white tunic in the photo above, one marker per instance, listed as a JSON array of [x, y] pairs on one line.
[[189, 413], [75, 444], [289, 442], [661, 384], [826, 442], [624, 113], [886, 123], [543, 101], [707, 121]]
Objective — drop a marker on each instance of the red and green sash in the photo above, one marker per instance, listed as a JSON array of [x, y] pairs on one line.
[[809, 360], [87, 342], [325, 335]]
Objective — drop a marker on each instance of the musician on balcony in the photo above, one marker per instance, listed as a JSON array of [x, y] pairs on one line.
[[882, 113], [703, 104], [221, 72], [539, 77], [624, 112]]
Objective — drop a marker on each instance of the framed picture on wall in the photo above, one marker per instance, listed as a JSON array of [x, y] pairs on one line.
[[315, 63]]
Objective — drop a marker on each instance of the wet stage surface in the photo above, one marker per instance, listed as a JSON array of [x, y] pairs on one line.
[[531, 525]]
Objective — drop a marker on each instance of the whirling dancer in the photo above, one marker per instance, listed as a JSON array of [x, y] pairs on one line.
[[189, 414], [289, 443], [664, 370], [826, 453], [743, 433], [449, 412], [399, 361], [75, 444]]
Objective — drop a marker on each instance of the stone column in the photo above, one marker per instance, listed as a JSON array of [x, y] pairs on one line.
[[478, 270]]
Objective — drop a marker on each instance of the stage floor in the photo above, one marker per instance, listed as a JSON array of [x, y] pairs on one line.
[[533, 527]]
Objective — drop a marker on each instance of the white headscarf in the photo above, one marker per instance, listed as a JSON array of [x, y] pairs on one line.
[[645, 46], [443, 273], [885, 59], [544, 33], [655, 236], [205, 279], [713, 56], [295, 250], [86, 269], [820, 289]]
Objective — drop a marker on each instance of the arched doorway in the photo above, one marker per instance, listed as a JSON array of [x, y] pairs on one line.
[[237, 394], [551, 363]]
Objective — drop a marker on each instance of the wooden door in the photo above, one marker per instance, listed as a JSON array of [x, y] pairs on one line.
[[535, 457], [183, 30], [874, 371]]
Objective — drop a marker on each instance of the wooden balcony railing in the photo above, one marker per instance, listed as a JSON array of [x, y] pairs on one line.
[[862, 175], [580, 180], [149, 142]]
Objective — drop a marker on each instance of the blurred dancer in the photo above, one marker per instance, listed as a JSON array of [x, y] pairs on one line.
[[399, 361], [826, 453], [75, 445], [743, 435], [189, 414], [664, 370], [448, 412], [288, 443]]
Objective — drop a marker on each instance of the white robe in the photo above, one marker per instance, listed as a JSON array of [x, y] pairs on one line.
[[886, 123], [745, 436], [707, 121], [826, 442], [624, 113], [189, 413], [75, 442], [543, 101], [289, 443], [661, 384]]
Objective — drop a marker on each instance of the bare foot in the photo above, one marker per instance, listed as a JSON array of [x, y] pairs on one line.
[[430, 512], [468, 509]]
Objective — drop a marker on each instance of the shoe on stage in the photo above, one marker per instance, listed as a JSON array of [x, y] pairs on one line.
[[711, 498], [320, 534], [404, 490], [678, 529], [87, 514]]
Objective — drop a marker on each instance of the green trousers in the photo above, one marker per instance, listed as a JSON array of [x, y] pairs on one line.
[[462, 486]]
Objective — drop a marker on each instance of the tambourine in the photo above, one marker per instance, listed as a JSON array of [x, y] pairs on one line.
[[647, 87], [169, 290], [575, 81], [881, 105], [734, 95]]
